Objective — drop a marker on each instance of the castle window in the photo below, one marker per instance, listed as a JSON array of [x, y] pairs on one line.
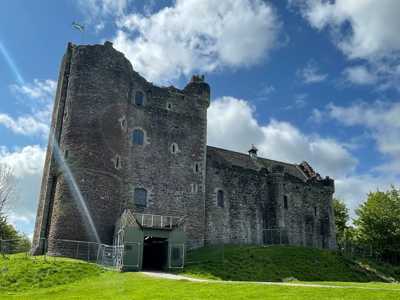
[[174, 148], [140, 197], [169, 106], [123, 124], [196, 167], [220, 198], [117, 162], [315, 211], [139, 98], [285, 202], [138, 137], [65, 154]]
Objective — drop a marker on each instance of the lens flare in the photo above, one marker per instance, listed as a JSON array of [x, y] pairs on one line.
[[74, 189], [11, 64]]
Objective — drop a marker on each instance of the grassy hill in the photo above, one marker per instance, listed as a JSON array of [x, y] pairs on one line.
[[20, 272], [280, 263], [24, 277]]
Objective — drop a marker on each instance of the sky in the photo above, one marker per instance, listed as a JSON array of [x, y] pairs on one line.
[[303, 80]]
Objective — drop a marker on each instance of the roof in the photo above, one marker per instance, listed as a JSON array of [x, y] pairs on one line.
[[245, 161]]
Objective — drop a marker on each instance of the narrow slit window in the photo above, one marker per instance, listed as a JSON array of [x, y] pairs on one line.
[[315, 211], [285, 202], [138, 137], [220, 198], [174, 148], [117, 162]]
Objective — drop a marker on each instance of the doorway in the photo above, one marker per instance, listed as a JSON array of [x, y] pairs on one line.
[[155, 253]]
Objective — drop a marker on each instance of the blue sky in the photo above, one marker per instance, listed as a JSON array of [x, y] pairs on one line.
[[302, 79]]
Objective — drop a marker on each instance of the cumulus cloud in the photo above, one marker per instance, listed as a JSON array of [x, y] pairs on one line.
[[359, 75], [27, 165], [41, 90], [38, 97], [232, 125], [365, 30], [311, 73], [382, 119], [373, 24], [25, 125], [197, 36]]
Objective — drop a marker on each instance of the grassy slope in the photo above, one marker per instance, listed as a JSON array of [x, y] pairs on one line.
[[275, 263], [71, 279], [19, 272]]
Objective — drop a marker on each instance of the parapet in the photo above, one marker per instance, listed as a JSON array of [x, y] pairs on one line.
[[198, 87]]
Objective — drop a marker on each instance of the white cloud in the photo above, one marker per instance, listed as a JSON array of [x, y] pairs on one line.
[[42, 90], [362, 29], [27, 165], [374, 25], [359, 75], [311, 74], [26, 125], [197, 36], [382, 119], [232, 125], [38, 97]]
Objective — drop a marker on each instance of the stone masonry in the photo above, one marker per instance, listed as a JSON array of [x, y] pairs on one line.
[[223, 196]]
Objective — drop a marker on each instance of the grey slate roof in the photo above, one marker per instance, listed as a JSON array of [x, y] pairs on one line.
[[245, 161]]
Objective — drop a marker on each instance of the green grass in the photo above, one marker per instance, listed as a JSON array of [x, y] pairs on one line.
[[20, 272], [277, 263], [36, 278], [113, 285]]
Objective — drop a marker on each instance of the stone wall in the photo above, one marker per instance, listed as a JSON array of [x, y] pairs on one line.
[[255, 200]]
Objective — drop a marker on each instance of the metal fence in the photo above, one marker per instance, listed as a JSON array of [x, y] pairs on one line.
[[101, 254]]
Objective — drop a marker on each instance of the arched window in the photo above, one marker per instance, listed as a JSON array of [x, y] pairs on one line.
[[139, 98], [220, 198], [138, 137], [140, 197]]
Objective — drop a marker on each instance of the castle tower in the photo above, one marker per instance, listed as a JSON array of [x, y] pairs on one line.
[[118, 142]]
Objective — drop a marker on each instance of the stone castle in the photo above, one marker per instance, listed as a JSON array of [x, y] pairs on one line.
[[132, 146]]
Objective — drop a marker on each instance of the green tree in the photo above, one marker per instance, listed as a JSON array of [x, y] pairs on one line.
[[378, 221], [341, 219]]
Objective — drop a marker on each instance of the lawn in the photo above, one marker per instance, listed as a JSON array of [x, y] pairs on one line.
[[24, 277], [113, 285]]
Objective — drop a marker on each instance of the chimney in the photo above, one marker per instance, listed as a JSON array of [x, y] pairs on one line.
[[253, 152]]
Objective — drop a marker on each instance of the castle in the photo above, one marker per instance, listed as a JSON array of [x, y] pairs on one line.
[[136, 154]]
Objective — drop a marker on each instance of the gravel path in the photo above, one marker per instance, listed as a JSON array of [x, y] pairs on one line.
[[313, 285]]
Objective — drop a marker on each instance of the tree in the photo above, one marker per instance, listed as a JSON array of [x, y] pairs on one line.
[[7, 184], [378, 222], [341, 219]]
